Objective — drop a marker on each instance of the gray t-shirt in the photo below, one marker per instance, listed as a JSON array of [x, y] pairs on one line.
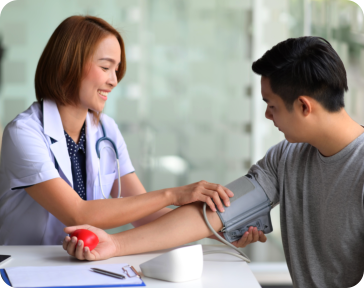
[[321, 208]]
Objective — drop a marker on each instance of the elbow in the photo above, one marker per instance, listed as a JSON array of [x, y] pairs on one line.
[[73, 220], [77, 217]]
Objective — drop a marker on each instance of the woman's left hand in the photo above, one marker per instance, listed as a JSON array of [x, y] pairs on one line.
[[106, 248], [203, 191]]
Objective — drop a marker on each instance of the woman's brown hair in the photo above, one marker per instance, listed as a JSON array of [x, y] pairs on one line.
[[61, 65]]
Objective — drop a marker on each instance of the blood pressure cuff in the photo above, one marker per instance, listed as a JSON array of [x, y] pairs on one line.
[[250, 206]]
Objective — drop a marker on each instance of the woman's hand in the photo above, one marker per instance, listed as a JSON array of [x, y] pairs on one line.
[[106, 248], [202, 191]]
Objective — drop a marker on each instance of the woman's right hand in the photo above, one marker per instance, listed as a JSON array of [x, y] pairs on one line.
[[106, 248], [202, 191]]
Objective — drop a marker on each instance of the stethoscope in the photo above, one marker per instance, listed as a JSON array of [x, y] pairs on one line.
[[98, 152]]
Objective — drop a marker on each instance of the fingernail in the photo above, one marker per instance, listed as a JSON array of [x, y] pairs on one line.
[[228, 204], [73, 240], [79, 243]]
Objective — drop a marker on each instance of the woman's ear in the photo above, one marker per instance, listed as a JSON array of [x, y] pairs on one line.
[[305, 105]]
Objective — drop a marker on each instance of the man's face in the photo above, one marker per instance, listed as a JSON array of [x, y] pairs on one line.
[[286, 121]]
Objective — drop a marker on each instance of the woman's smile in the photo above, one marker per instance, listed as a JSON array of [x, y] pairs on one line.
[[100, 72], [103, 94]]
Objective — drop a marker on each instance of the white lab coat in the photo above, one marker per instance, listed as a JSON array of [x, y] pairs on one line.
[[28, 157]]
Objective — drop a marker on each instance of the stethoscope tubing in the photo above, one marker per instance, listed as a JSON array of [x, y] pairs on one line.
[[98, 152]]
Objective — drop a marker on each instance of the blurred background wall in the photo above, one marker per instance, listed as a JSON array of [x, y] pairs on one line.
[[189, 106]]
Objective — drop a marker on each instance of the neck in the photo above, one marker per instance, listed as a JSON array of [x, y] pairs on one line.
[[335, 131], [73, 118]]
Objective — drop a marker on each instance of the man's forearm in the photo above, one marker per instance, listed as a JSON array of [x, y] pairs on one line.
[[183, 225], [152, 217]]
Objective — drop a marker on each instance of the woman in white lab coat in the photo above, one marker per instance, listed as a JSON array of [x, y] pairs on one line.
[[49, 165]]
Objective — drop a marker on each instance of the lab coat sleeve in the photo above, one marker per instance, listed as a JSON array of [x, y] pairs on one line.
[[26, 154], [266, 171], [126, 166]]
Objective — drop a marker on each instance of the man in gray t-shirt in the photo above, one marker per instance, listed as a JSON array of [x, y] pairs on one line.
[[316, 175], [322, 216]]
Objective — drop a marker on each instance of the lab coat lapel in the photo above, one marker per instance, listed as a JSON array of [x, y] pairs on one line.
[[91, 156], [53, 127]]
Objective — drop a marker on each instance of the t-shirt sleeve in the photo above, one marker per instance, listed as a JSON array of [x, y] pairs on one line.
[[26, 156], [266, 171], [126, 166]]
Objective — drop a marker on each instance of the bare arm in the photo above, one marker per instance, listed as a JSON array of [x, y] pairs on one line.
[[183, 225], [131, 186], [64, 203], [57, 197]]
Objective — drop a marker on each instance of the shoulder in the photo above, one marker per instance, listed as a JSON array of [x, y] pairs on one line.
[[285, 147], [29, 121], [286, 151], [24, 136], [107, 121], [111, 128]]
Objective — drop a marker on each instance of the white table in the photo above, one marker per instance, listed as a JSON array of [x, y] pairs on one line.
[[220, 270]]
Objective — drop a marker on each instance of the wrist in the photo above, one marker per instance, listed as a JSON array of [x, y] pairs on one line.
[[119, 245], [169, 195]]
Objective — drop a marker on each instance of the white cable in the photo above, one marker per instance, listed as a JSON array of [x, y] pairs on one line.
[[117, 161], [225, 252], [119, 184], [241, 254]]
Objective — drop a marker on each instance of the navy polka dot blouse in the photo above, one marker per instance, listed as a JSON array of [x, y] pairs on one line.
[[77, 153]]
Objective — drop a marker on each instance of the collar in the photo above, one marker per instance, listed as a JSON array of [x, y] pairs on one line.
[[52, 122]]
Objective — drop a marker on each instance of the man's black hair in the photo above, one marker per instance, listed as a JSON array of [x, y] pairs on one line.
[[305, 66]]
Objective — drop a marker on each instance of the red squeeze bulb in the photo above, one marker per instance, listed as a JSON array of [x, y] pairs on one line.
[[89, 238]]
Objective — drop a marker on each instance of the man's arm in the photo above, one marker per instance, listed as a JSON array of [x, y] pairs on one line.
[[183, 225]]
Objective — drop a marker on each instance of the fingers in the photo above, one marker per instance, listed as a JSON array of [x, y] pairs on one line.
[[214, 196], [255, 235], [224, 192], [71, 246], [217, 192], [76, 249], [262, 237], [242, 242], [88, 255], [79, 250], [65, 242], [70, 229], [218, 188], [250, 236], [208, 202]]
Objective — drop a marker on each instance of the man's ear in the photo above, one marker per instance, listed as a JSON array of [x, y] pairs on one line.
[[304, 104]]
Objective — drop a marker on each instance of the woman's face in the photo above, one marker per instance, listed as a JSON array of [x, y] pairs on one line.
[[100, 74]]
